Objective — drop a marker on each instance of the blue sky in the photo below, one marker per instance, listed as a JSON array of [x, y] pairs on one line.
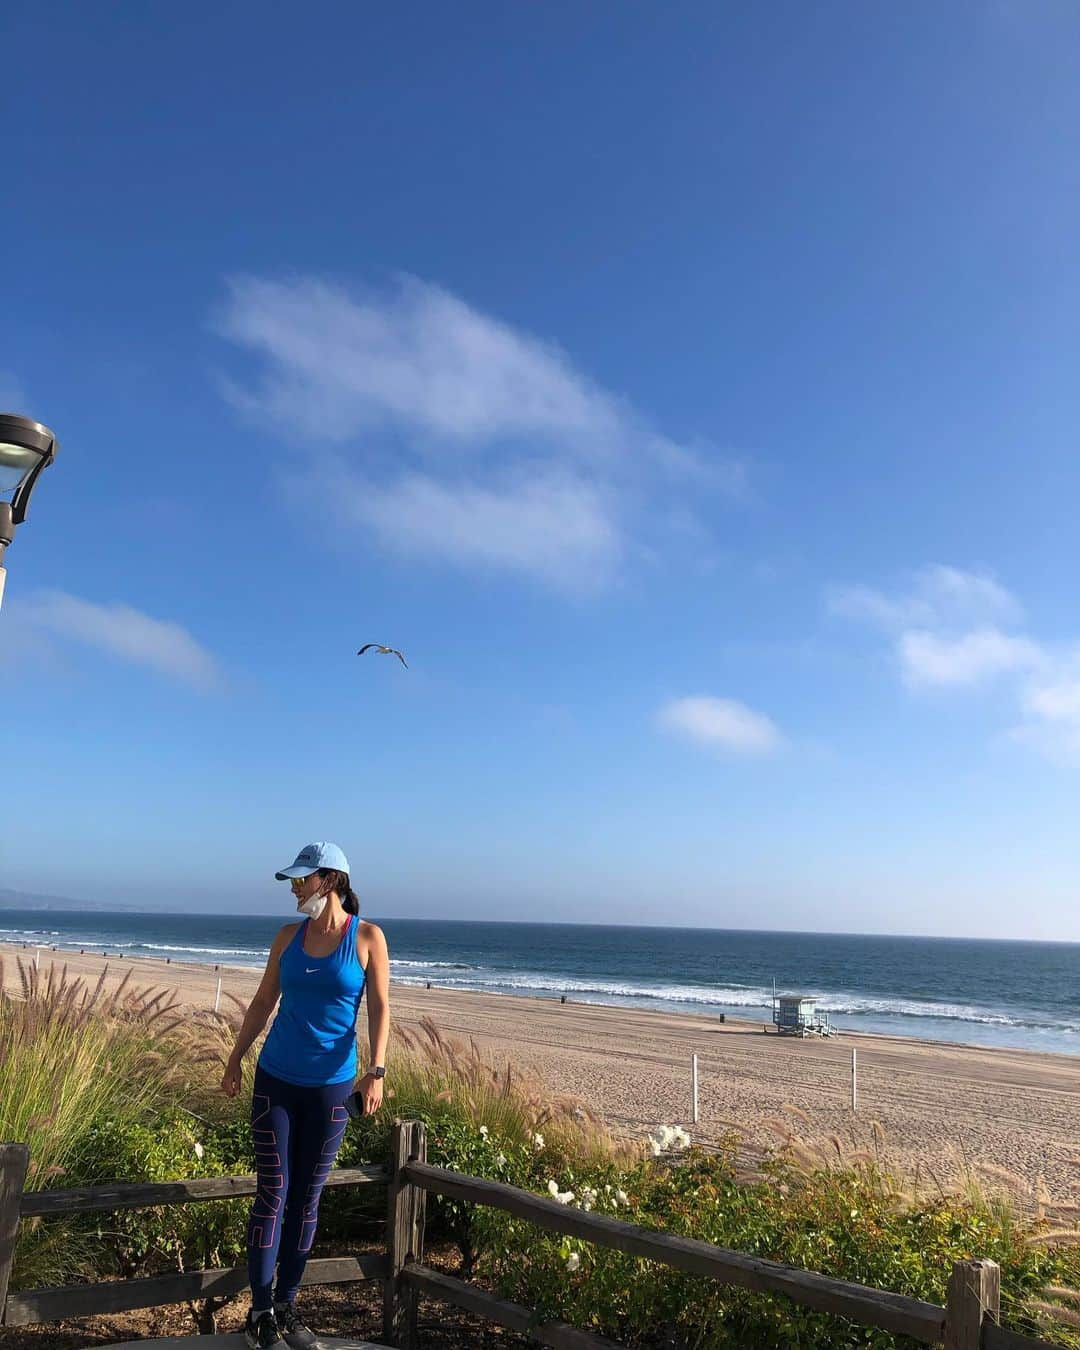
[[690, 391]]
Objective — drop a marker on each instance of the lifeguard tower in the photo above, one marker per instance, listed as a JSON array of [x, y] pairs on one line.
[[797, 1015]]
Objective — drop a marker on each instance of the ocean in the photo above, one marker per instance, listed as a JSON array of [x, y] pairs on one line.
[[1024, 995]]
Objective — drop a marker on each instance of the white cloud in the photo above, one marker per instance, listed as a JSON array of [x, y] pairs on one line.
[[932, 659], [456, 435], [126, 633], [558, 528], [947, 625], [950, 629], [1055, 701], [721, 723], [418, 358], [935, 596], [1051, 712]]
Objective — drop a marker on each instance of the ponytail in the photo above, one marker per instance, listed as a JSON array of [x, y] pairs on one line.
[[339, 881]]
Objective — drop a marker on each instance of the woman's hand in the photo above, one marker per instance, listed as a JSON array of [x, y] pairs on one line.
[[369, 1090], [230, 1079]]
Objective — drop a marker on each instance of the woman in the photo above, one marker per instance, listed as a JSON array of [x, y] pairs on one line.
[[305, 1075]]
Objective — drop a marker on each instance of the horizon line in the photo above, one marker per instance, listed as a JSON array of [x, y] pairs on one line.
[[94, 908]]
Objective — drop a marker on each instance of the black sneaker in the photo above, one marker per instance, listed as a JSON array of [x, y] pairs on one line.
[[261, 1332], [297, 1336]]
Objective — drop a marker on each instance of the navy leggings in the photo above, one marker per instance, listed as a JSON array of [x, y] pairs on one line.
[[297, 1132]]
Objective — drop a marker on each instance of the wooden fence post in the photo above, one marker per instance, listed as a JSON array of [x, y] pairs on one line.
[[14, 1160], [974, 1299], [405, 1234]]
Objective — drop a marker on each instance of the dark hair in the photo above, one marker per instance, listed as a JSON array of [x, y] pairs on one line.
[[339, 881]]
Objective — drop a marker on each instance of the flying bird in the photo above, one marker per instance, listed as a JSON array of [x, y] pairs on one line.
[[383, 651]]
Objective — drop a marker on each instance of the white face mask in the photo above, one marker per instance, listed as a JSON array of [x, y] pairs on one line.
[[313, 907]]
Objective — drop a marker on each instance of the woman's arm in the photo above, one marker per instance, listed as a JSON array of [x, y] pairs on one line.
[[377, 991], [258, 1013]]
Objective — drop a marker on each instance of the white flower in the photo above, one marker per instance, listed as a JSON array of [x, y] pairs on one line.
[[563, 1197], [538, 1140], [199, 1150], [668, 1137], [621, 1198], [573, 1261], [501, 1160], [484, 1131], [586, 1205]]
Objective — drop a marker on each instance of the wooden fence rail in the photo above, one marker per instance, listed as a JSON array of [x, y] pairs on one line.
[[999, 1338], [111, 1296], [143, 1195], [871, 1307], [969, 1321]]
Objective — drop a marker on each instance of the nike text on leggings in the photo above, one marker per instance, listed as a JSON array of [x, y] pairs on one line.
[[297, 1132]]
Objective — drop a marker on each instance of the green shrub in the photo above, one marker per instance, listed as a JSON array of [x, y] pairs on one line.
[[840, 1223], [172, 1147]]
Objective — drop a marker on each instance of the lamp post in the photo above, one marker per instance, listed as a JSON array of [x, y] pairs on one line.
[[26, 447]]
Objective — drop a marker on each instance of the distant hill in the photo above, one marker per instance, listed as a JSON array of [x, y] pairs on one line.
[[26, 900]]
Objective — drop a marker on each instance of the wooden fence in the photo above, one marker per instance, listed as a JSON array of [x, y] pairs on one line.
[[969, 1321]]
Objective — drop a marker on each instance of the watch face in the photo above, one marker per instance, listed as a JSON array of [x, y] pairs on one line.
[[379, 1073]]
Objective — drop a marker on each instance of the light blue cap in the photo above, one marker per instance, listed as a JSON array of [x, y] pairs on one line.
[[313, 856]]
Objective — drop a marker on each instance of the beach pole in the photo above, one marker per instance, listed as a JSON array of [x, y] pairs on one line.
[[694, 1086], [217, 996], [854, 1079], [37, 958]]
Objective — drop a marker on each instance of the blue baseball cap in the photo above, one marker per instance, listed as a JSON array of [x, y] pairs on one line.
[[313, 856]]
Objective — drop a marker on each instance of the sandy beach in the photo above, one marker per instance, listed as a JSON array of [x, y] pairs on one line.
[[1009, 1109]]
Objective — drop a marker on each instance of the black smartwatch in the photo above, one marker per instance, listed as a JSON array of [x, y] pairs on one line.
[[378, 1071]]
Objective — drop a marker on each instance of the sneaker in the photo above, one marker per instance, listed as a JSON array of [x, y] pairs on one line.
[[297, 1336], [261, 1332]]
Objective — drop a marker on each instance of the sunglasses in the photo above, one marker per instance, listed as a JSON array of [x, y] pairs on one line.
[[298, 883]]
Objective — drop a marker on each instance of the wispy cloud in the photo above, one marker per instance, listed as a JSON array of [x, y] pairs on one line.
[[958, 630], [416, 357], [930, 658], [934, 597], [125, 633], [720, 724], [553, 527], [457, 435], [946, 626], [1050, 706]]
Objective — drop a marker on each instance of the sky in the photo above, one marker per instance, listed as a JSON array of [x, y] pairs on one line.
[[689, 391]]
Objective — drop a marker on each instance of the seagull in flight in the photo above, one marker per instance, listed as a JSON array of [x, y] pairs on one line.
[[383, 651]]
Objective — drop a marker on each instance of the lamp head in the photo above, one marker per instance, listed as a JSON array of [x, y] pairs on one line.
[[26, 447]]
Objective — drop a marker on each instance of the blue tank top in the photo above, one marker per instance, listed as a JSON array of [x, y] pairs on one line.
[[312, 1042]]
